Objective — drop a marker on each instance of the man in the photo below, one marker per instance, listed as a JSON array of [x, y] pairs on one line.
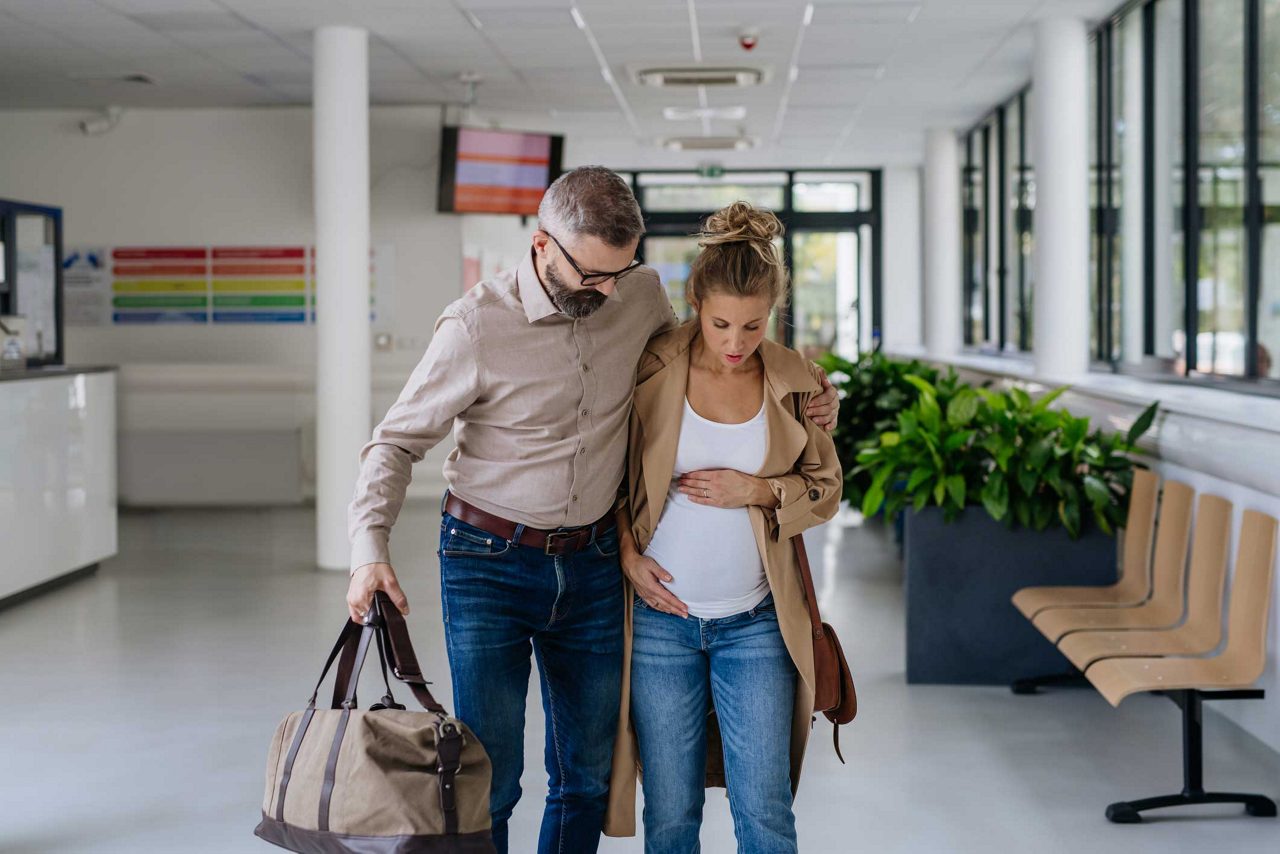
[[537, 367]]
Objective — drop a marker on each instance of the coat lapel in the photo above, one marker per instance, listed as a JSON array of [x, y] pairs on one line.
[[659, 406], [787, 436]]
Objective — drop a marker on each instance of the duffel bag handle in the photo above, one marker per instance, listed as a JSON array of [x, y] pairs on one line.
[[385, 623], [404, 664]]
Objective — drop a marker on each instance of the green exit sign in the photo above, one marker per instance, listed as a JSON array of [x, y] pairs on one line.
[[711, 170]]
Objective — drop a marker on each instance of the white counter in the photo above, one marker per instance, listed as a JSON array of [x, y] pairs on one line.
[[57, 474]]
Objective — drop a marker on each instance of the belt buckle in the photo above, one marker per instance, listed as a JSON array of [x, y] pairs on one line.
[[556, 537]]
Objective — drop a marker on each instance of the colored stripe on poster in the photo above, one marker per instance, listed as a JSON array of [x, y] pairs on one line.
[[256, 301], [259, 285], [121, 286], [259, 317], [160, 317], [160, 302]]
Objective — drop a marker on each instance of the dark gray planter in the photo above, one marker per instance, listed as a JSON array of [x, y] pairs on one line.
[[961, 627]]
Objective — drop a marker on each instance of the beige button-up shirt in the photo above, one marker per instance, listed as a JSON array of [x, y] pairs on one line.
[[538, 404]]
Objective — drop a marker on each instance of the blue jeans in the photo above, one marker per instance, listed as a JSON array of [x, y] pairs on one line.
[[680, 669], [501, 601]]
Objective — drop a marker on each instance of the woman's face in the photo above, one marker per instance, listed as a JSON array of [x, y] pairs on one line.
[[732, 326]]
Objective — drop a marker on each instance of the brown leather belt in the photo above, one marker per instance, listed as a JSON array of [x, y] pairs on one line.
[[551, 542]]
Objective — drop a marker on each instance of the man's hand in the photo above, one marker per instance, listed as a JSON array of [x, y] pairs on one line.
[[824, 406], [366, 581], [647, 576]]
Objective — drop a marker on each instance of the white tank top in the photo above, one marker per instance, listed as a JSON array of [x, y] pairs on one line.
[[712, 551]]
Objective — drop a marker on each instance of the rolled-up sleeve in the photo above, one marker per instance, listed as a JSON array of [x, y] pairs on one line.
[[810, 495], [445, 382]]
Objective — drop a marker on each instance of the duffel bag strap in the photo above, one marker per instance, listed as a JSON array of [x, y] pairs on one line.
[[448, 762], [404, 664]]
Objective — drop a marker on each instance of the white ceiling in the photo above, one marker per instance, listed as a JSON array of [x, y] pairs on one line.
[[872, 74]]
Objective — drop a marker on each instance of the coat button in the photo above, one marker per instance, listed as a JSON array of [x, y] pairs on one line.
[[814, 495]]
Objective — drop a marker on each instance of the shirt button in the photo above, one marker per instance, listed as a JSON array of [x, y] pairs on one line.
[[582, 450], [575, 498], [586, 368], [814, 495]]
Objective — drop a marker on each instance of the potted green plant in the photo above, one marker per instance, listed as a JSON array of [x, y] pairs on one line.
[[1001, 492], [873, 390]]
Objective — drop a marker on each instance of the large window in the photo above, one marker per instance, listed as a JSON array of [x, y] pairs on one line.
[[999, 195], [831, 246], [1184, 190], [1268, 117]]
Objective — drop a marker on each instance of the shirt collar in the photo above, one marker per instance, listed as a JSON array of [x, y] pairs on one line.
[[537, 303]]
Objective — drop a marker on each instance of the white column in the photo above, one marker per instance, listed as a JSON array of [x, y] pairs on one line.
[[1131, 260], [902, 287], [343, 372], [1061, 116], [943, 283]]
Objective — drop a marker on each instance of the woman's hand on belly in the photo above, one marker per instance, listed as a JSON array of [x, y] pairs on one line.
[[647, 576], [727, 489]]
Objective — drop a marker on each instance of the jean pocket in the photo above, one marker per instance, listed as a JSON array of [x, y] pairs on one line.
[[459, 541], [606, 544]]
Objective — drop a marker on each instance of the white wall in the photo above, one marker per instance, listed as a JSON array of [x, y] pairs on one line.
[[232, 177]]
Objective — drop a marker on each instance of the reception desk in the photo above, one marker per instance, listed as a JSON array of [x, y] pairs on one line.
[[57, 475]]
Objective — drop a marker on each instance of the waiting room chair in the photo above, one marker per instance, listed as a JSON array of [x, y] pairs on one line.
[[1201, 632], [1164, 608], [1134, 585]]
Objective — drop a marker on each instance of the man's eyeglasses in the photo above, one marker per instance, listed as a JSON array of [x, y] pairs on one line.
[[590, 280]]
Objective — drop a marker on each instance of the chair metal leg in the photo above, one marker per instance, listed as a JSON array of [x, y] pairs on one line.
[[1129, 812], [1033, 684]]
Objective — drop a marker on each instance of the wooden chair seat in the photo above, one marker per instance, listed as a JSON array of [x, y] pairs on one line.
[[1244, 658], [1201, 632], [1134, 584], [1164, 608]]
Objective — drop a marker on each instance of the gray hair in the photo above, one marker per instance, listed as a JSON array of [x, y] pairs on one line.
[[591, 201]]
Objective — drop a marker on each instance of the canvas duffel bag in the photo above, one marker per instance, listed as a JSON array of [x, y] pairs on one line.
[[379, 781]]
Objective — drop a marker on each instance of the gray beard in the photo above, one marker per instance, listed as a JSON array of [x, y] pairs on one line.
[[575, 304]]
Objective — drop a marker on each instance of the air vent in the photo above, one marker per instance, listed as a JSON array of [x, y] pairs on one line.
[[700, 76], [708, 143]]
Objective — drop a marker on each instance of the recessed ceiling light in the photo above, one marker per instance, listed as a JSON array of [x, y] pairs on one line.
[[684, 114], [708, 143]]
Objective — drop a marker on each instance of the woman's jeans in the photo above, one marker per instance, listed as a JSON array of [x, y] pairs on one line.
[[679, 668], [502, 601]]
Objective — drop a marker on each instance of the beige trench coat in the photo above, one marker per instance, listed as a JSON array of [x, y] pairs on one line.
[[803, 472]]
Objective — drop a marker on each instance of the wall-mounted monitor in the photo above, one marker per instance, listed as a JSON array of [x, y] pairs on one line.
[[496, 171]]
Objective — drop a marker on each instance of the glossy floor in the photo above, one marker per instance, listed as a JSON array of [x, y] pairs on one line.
[[139, 704]]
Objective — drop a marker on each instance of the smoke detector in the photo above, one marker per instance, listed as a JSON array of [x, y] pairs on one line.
[[697, 75]]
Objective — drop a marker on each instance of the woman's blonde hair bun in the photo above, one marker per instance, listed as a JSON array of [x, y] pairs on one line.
[[740, 255], [739, 222]]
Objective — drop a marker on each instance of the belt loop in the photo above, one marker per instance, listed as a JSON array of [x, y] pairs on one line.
[[444, 499], [515, 538]]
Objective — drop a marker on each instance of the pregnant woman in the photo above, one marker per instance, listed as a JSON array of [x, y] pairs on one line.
[[718, 669]]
